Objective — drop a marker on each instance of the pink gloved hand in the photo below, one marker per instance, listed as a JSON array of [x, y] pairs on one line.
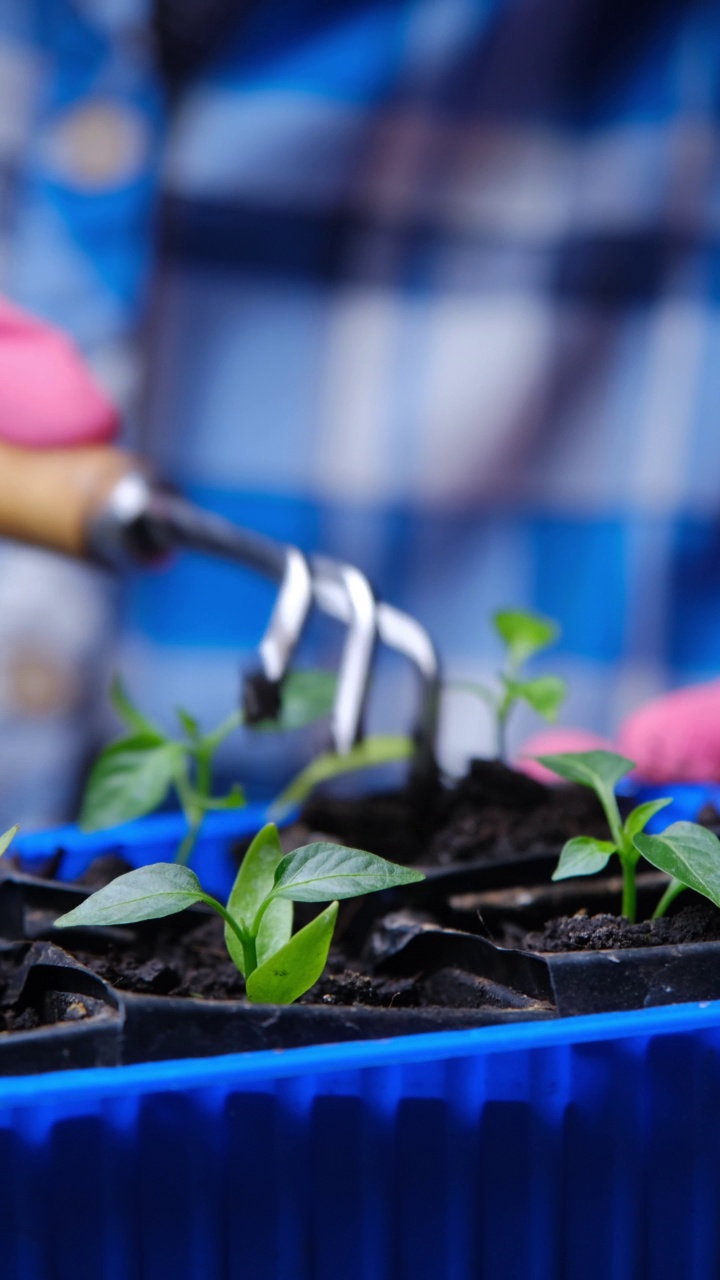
[[553, 742], [676, 737], [48, 398]]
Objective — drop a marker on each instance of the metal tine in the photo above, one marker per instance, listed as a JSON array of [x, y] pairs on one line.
[[288, 618], [356, 662], [142, 522], [403, 633]]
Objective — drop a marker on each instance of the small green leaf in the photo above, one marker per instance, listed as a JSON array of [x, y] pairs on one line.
[[253, 883], [235, 799], [639, 818], [321, 871], [305, 697], [524, 633], [601, 770], [161, 889], [129, 778], [583, 856], [189, 724], [7, 837], [296, 967], [545, 695], [376, 750], [687, 852], [129, 714]]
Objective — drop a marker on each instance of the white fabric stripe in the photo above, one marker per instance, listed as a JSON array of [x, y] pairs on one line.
[[273, 147], [486, 374], [313, 153], [352, 433], [659, 450], [20, 71]]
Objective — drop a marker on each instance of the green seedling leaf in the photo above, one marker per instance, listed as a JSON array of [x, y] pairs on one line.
[[7, 837], [545, 694], [376, 750], [129, 714], [524, 633], [235, 799], [583, 856], [129, 778], [322, 871], [639, 818], [305, 697], [687, 852], [161, 889], [601, 770], [296, 967], [189, 724], [253, 883]]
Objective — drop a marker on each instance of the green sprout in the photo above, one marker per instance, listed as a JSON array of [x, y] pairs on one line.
[[6, 838], [133, 776], [523, 635], [378, 749], [278, 966], [687, 852]]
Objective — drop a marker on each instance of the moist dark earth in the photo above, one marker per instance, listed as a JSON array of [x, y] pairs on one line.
[[193, 962], [492, 812], [699, 921]]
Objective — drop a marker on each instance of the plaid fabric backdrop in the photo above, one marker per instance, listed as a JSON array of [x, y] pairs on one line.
[[436, 291]]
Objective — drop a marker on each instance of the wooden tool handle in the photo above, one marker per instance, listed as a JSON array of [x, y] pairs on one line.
[[49, 497]]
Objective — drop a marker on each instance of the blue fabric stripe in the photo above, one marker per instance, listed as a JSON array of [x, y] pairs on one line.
[[347, 51], [610, 268]]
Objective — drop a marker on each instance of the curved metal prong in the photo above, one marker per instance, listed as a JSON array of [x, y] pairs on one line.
[[360, 614], [401, 632], [288, 617]]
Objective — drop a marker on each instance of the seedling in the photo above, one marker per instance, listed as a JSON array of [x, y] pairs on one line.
[[523, 635], [278, 966], [376, 750], [690, 854], [6, 838], [134, 775]]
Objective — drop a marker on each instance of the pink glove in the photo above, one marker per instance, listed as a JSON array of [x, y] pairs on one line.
[[48, 397], [676, 737]]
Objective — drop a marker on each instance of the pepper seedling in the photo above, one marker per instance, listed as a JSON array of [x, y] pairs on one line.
[[278, 966], [133, 776], [523, 635], [687, 852], [378, 749]]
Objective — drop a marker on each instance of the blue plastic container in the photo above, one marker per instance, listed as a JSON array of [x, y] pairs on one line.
[[688, 798], [146, 840], [581, 1150]]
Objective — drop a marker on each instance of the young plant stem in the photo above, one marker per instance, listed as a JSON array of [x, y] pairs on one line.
[[246, 942], [189, 840], [195, 799], [626, 852], [501, 730], [629, 898], [674, 888]]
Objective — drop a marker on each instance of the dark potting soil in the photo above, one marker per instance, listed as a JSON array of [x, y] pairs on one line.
[[697, 922], [196, 963], [492, 812]]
